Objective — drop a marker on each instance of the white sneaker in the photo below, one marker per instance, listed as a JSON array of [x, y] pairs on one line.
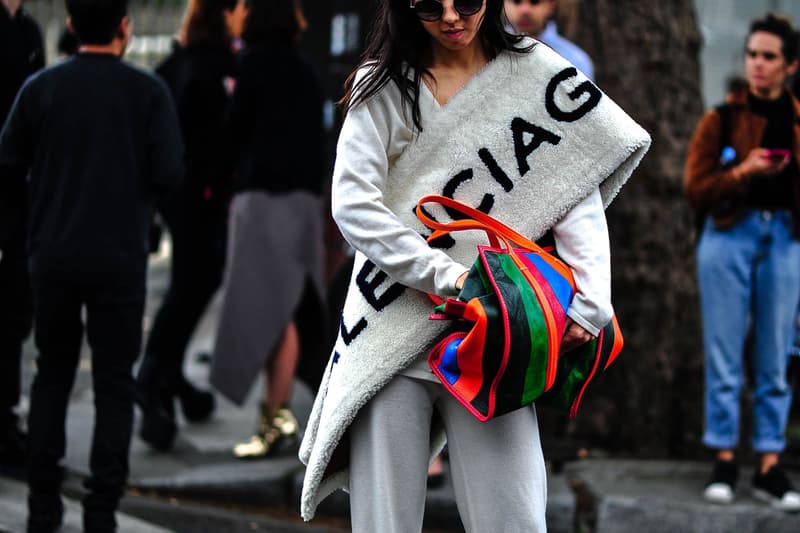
[[719, 493], [720, 488], [789, 502], [775, 489]]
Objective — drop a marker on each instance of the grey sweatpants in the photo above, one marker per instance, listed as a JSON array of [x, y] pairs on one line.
[[497, 467]]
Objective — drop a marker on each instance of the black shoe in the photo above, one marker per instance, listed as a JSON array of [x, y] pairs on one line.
[[45, 514], [13, 449], [158, 428], [99, 522], [197, 405], [100, 503], [775, 489], [722, 485]]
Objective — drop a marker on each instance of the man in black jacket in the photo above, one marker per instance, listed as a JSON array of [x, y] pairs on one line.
[[99, 139], [21, 54]]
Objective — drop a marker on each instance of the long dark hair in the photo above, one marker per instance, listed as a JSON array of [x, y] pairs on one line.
[[399, 49], [204, 23]]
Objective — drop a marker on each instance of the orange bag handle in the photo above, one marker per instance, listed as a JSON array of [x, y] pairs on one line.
[[478, 220]]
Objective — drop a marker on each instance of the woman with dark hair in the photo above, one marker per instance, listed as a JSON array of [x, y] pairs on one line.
[[742, 175], [272, 305], [199, 73], [446, 101]]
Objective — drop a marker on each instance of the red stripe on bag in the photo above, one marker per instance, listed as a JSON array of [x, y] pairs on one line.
[[469, 351], [506, 341]]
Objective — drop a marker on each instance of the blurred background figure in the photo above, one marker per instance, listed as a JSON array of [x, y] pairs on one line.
[[94, 157], [742, 175], [537, 18], [67, 43], [21, 54], [200, 73], [273, 305]]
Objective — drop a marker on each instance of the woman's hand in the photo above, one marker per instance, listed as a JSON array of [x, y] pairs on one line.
[[574, 336], [759, 162], [460, 280]]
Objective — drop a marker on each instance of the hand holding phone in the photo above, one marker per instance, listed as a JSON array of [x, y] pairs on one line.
[[777, 154], [763, 161]]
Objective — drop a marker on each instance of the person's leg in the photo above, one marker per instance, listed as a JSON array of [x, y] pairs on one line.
[[276, 421], [777, 290], [196, 272], [436, 472], [724, 261], [497, 467], [114, 332], [58, 335], [281, 369], [280, 380], [15, 324], [197, 265], [724, 266], [207, 260], [389, 453], [154, 391]]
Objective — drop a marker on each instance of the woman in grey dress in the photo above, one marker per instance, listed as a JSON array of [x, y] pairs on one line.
[[273, 282]]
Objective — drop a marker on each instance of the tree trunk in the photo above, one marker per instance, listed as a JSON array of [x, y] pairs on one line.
[[650, 401]]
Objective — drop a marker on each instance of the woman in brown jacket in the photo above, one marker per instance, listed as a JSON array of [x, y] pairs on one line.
[[742, 177]]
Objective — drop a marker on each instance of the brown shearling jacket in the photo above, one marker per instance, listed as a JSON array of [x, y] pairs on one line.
[[706, 186]]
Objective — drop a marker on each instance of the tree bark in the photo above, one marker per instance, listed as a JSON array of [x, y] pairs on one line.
[[646, 55]]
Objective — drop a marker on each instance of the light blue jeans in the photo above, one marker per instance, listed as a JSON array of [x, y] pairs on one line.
[[749, 280]]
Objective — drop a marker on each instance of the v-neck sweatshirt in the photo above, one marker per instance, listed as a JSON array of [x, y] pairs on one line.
[[373, 136]]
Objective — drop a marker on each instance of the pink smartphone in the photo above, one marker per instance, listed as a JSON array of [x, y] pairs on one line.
[[777, 154]]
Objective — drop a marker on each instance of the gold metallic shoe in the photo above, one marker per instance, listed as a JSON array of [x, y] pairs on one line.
[[258, 447], [284, 420], [274, 426]]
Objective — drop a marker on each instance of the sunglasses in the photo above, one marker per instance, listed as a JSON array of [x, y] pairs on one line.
[[432, 10]]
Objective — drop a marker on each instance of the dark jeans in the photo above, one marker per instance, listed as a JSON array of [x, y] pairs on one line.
[[198, 258], [15, 325], [114, 308]]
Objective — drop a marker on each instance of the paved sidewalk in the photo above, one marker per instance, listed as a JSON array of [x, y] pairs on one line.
[[13, 513], [200, 487]]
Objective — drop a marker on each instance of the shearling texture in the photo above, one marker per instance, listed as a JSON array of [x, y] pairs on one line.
[[589, 142]]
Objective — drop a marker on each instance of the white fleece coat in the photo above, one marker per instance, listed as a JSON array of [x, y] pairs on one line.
[[528, 136]]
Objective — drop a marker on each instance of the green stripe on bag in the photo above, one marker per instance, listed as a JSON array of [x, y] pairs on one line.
[[535, 374]]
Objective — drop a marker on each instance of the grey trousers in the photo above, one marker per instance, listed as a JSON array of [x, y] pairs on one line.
[[497, 467]]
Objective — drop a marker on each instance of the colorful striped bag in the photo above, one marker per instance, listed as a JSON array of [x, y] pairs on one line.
[[502, 352]]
